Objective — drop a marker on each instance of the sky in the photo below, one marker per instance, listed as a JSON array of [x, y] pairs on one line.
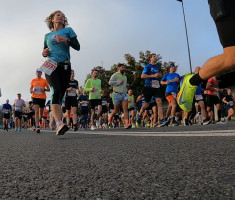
[[106, 30]]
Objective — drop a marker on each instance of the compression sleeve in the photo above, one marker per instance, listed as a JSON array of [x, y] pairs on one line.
[[73, 42]]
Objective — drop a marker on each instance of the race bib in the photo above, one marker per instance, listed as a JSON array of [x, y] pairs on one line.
[[198, 97], [72, 92], [6, 111], [104, 103], [48, 66], [231, 103], [96, 91], [173, 94], [38, 90], [84, 103], [155, 84]]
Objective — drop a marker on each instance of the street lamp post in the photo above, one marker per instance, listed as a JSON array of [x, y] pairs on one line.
[[186, 36]]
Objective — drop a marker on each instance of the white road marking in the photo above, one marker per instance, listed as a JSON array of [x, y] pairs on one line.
[[211, 133]]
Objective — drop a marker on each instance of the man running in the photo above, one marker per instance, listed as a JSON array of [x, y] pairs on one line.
[[131, 107], [84, 109], [213, 99], [119, 82], [151, 74], [6, 110], [93, 86], [18, 106], [38, 89], [223, 14], [171, 80], [71, 102]]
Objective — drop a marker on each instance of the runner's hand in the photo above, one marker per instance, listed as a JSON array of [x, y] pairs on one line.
[[45, 52], [61, 39]]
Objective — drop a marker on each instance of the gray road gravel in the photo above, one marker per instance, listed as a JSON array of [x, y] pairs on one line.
[[83, 166]]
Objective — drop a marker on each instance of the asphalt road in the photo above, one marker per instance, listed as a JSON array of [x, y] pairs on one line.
[[194, 162]]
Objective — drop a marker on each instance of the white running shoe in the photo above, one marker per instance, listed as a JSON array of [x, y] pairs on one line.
[[92, 127]]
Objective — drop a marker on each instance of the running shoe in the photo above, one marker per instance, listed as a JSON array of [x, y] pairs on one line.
[[93, 127], [174, 123], [186, 94], [75, 128], [163, 122], [133, 125], [128, 125], [206, 122], [19, 130], [220, 122], [138, 121], [37, 130], [61, 129], [16, 129]]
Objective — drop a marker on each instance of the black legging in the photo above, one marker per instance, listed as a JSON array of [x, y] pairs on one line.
[[58, 81]]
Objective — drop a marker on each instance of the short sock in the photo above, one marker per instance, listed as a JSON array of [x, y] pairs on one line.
[[195, 80]]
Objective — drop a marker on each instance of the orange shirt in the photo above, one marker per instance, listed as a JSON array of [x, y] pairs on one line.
[[39, 88]]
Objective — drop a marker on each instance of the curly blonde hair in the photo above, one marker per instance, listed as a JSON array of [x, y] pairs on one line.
[[50, 18]]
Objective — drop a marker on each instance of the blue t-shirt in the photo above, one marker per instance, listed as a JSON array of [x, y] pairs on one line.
[[6, 108], [172, 86], [199, 90], [150, 69], [59, 51]]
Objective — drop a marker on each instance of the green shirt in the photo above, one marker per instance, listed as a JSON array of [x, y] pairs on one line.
[[130, 101], [115, 81], [88, 87]]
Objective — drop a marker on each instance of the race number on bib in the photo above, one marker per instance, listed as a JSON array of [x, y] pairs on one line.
[[38, 90], [155, 84], [48, 66], [198, 97]]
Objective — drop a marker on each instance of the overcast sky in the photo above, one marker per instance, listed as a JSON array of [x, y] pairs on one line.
[[106, 30]]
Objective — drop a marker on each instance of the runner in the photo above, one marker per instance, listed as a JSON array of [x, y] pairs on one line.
[[223, 14], [171, 80], [71, 102], [93, 86], [229, 101], [18, 106], [56, 48], [151, 74], [84, 102], [6, 110], [119, 82], [104, 117], [213, 99], [38, 89], [131, 107], [198, 98]]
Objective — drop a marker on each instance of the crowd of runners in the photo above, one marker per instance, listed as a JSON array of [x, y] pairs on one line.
[[191, 98], [92, 109]]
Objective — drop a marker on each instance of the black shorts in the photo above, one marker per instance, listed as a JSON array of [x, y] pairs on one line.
[[18, 114], [6, 115], [223, 13], [104, 109], [71, 102], [63, 110], [95, 102], [40, 102], [212, 100], [84, 111], [149, 92], [130, 109], [59, 80], [151, 105]]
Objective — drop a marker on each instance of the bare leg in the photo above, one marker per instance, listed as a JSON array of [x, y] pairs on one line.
[[219, 64]]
